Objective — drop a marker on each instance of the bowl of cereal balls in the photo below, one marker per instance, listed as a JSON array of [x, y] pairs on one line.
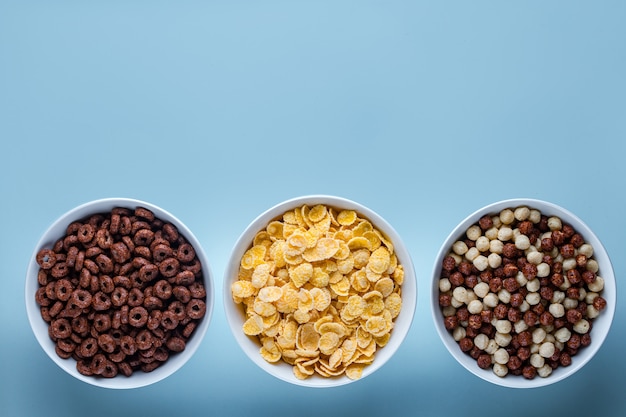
[[119, 293], [319, 291], [523, 293]]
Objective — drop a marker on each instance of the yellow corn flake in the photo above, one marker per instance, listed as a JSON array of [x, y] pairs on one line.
[[320, 278], [358, 242], [301, 274], [304, 215], [346, 217], [270, 321], [382, 340], [289, 229], [344, 235], [317, 213], [324, 248], [345, 266], [355, 306], [292, 260], [333, 327], [342, 287], [370, 275], [384, 240], [398, 275], [321, 298], [253, 326], [276, 252], [300, 374], [243, 289], [261, 275], [270, 351], [385, 286], [253, 256], [270, 294], [375, 303], [305, 300], [362, 227], [373, 239], [275, 230], [363, 338], [379, 260], [334, 360], [367, 350], [361, 258], [343, 251], [393, 263], [377, 326], [323, 226], [355, 371], [289, 217], [328, 342], [302, 316], [263, 308], [393, 303], [297, 242], [262, 238], [307, 338]]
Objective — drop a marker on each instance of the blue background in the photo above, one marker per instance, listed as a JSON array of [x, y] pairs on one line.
[[217, 110]]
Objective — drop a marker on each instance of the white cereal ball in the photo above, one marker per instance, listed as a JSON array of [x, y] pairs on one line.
[[460, 293], [546, 349], [592, 313], [545, 371], [500, 370], [569, 263], [592, 265], [539, 335], [504, 296], [492, 346], [503, 339], [597, 285], [494, 260], [496, 221], [503, 326], [522, 213], [586, 249], [481, 289], [534, 257], [543, 270], [491, 300], [521, 279], [505, 233], [562, 335], [533, 298], [570, 303], [554, 223], [459, 333], [537, 360], [475, 307], [481, 262], [520, 326], [459, 247], [491, 233], [444, 285], [507, 216], [473, 232], [471, 254], [533, 285], [524, 307], [448, 311], [557, 310], [454, 302], [522, 242], [558, 297], [590, 296], [581, 326], [496, 246], [482, 244], [481, 341], [534, 216], [501, 356]]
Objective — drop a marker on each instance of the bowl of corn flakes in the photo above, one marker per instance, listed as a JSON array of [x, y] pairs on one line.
[[319, 291], [119, 293], [523, 293]]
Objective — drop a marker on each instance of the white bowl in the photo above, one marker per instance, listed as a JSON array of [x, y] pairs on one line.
[[601, 324], [40, 327], [235, 312]]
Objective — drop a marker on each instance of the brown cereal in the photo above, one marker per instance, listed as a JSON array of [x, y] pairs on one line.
[[109, 307]]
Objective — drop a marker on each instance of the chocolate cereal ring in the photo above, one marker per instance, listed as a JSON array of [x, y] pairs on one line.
[[106, 342], [163, 289], [138, 316], [128, 345], [185, 253], [63, 289], [169, 267], [60, 328], [85, 233], [196, 308], [169, 320], [144, 213], [119, 296]]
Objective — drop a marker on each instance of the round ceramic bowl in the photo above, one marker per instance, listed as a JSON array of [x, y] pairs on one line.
[[174, 359], [600, 324], [236, 314]]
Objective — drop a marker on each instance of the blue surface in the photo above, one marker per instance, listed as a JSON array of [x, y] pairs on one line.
[[216, 111]]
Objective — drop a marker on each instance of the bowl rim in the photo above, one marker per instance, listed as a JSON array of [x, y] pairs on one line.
[[54, 231], [609, 293], [234, 313]]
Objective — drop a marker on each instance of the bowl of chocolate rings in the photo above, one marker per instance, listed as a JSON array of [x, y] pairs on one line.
[[319, 291], [119, 293], [523, 293]]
